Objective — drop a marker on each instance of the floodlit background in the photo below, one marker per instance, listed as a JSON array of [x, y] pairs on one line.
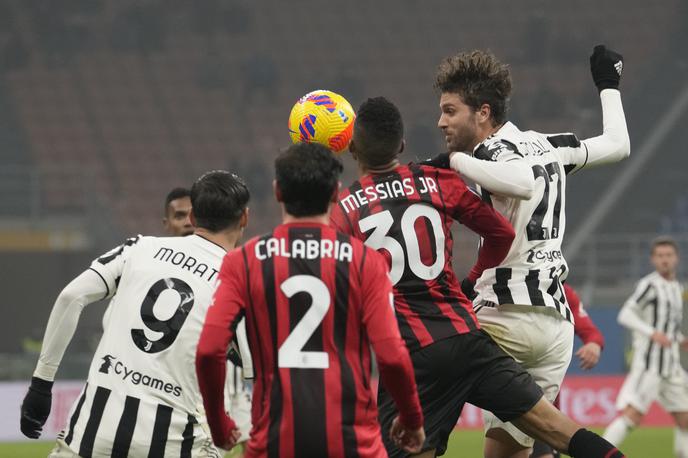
[[105, 106]]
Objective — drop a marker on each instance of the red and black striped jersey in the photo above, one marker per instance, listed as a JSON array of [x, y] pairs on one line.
[[407, 214], [315, 300]]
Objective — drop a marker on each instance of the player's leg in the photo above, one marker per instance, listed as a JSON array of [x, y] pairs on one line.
[[638, 391], [542, 342], [509, 391], [673, 396], [444, 377]]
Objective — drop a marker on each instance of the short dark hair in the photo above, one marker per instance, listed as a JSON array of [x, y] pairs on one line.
[[479, 78], [218, 199], [176, 193], [378, 132], [663, 240], [307, 175]]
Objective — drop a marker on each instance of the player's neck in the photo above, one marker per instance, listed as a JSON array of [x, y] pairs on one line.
[[226, 239], [317, 219], [669, 276], [486, 133], [366, 170]]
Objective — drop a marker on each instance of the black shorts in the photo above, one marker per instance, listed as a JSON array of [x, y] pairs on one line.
[[465, 368]]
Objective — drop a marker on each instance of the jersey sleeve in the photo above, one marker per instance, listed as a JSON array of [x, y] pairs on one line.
[[466, 207], [225, 312], [584, 327], [64, 317], [630, 315], [394, 362], [339, 221], [111, 265], [612, 146]]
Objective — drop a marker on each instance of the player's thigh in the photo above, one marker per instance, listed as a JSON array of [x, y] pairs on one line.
[[639, 390], [443, 385], [673, 396]]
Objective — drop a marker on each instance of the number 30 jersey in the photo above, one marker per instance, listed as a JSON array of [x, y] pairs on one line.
[[406, 214], [534, 269], [142, 396]]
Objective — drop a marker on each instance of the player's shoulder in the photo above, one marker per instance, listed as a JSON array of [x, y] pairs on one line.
[[650, 279], [500, 145]]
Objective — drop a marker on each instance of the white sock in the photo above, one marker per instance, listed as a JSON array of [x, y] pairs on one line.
[[617, 430], [681, 443]]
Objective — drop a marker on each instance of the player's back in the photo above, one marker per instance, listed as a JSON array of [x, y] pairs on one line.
[[533, 270], [142, 395], [312, 394], [407, 214]]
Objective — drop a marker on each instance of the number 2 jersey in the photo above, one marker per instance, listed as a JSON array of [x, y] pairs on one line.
[[142, 397], [534, 269], [315, 301], [407, 214]]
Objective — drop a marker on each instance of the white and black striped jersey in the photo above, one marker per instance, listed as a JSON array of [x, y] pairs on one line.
[[142, 396], [534, 268], [658, 302]]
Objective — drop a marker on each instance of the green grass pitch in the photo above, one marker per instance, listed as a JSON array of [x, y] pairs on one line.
[[642, 443]]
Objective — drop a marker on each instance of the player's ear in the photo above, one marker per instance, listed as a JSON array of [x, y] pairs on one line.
[[243, 220], [352, 149], [484, 113], [402, 146], [335, 194], [277, 191]]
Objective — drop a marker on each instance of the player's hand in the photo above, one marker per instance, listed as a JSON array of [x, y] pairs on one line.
[[232, 439], [661, 338], [409, 440], [36, 407], [606, 67], [589, 355], [684, 344], [468, 289], [441, 161]]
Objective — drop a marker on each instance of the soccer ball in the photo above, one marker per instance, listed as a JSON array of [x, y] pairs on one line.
[[323, 117]]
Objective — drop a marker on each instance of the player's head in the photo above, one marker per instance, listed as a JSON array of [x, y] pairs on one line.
[[474, 93], [219, 202], [177, 210], [307, 179], [664, 255], [378, 134]]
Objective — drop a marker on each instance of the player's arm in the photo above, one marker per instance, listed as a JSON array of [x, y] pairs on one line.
[[499, 169], [221, 320], [585, 329], [466, 207], [394, 362], [92, 285], [631, 318], [614, 144]]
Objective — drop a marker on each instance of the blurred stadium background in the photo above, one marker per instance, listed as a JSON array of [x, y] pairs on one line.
[[105, 106]]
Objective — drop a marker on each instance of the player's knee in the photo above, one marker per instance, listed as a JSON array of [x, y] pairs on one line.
[[633, 416]]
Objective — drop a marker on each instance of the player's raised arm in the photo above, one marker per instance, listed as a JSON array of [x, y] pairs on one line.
[[223, 316], [614, 144], [394, 362]]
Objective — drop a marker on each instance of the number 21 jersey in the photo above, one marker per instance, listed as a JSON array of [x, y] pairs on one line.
[[534, 269], [142, 397]]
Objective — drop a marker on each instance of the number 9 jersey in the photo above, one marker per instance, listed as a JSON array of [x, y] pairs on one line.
[[142, 396]]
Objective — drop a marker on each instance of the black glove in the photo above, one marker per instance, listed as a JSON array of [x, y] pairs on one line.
[[233, 354], [441, 161], [606, 66], [36, 407], [467, 288]]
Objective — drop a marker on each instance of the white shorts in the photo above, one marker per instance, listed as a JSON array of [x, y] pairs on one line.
[[201, 449], [539, 339], [238, 397], [642, 387]]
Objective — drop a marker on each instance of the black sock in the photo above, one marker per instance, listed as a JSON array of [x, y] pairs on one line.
[[586, 444]]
